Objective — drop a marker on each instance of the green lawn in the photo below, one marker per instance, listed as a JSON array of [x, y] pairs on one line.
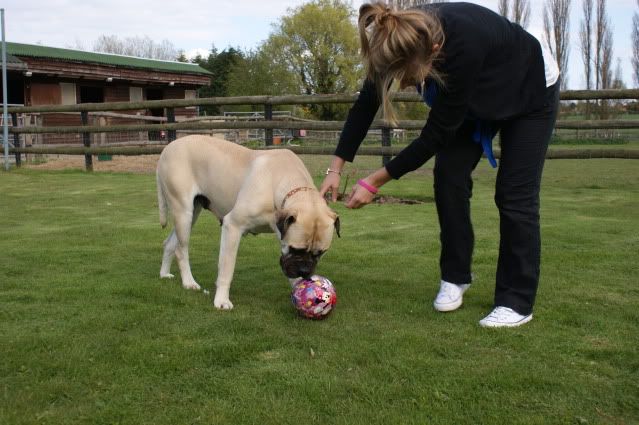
[[91, 335]]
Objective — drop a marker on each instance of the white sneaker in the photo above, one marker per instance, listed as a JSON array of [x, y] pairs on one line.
[[504, 317], [450, 296]]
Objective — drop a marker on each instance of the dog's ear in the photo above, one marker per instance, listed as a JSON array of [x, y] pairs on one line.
[[337, 226], [284, 221]]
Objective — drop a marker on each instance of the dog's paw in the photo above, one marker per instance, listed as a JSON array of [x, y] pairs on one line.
[[166, 276], [223, 304], [191, 285]]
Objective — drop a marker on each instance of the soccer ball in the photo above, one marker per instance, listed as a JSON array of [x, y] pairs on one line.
[[314, 298]]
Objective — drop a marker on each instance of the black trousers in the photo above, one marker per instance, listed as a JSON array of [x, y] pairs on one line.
[[524, 142]]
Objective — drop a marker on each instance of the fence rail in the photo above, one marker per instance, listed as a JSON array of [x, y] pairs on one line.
[[317, 150], [269, 124], [286, 100]]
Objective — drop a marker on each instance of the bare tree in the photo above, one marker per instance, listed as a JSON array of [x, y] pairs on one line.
[[606, 60], [556, 27], [519, 13], [407, 4], [635, 46], [585, 41], [503, 8], [585, 38], [603, 48], [617, 82], [142, 47]]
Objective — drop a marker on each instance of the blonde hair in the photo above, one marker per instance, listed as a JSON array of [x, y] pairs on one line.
[[396, 44]]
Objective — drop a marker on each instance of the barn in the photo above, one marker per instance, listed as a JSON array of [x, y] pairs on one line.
[[41, 75]]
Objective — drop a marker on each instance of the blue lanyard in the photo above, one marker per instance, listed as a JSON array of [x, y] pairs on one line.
[[483, 134]]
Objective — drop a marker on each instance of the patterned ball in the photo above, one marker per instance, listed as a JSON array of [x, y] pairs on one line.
[[314, 298]]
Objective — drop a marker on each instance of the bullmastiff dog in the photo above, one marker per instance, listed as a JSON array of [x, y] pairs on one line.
[[249, 192]]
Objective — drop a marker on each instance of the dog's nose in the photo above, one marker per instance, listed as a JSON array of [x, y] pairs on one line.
[[305, 272]]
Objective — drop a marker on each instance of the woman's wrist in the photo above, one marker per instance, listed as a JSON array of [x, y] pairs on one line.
[[337, 164], [370, 188], [379, 178]]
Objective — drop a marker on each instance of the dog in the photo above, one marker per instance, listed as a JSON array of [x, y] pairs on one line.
[[249, 191]]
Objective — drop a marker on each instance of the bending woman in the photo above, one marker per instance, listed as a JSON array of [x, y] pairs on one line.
[[480, 74]]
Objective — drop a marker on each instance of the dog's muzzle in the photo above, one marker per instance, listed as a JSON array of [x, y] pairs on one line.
[[298, 265]]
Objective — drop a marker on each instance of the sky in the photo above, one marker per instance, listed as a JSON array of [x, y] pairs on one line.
[[195, 25]]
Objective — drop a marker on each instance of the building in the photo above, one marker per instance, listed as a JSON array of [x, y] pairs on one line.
[[40, 75]]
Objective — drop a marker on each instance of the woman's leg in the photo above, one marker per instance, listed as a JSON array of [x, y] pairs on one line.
[[524, 142], [453, 189]]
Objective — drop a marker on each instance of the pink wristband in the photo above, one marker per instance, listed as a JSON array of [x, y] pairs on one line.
[[371, 189]]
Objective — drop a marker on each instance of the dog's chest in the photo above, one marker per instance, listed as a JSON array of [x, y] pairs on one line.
[[264, 228]]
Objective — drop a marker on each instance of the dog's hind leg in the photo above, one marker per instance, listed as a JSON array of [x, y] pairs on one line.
[[184, 221], [171, 244]]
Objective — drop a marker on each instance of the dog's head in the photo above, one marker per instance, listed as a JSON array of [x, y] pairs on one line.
[[306, 233]]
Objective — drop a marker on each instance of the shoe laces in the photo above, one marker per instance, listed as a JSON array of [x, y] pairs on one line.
[[501, 313], [449, 290]]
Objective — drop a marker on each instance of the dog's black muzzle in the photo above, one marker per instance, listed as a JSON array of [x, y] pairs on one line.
[[298, 265]]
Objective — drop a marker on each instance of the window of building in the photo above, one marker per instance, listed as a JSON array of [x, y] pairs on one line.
[[90, 94], [68, 93]]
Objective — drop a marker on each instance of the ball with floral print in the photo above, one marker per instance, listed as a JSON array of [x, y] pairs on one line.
[[314, 298]]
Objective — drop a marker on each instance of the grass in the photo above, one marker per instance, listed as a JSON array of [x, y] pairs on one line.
[[91, 335]]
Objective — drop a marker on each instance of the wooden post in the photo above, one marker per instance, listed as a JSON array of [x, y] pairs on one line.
[[86, 140], [386, 141], [268, 116], [16, 138], [170, 118]]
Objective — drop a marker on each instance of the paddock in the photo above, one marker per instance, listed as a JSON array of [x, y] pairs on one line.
[[91, 334]]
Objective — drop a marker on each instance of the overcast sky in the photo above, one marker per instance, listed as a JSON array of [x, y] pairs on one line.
[[194, 25]]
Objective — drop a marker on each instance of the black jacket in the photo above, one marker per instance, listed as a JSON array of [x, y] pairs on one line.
[[493, 70]]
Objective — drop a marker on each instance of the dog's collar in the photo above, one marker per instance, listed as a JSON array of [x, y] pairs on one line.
[[293, 192]]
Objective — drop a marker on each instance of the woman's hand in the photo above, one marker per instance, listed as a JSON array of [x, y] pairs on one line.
[[363, 193], [330, 185], [332, 179], [359, 197]]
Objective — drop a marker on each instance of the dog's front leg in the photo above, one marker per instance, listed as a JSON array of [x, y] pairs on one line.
[[229, 244]]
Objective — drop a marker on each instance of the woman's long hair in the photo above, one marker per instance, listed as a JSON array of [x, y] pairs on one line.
[[397, 44]]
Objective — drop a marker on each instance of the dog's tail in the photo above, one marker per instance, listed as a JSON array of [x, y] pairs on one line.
[[162, 204]]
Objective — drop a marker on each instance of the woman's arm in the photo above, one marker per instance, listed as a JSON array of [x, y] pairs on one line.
[[358, 122]]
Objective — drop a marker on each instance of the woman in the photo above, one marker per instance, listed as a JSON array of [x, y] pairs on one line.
[[480, 73]]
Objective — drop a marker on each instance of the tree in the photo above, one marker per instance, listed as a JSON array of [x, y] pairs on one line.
[[585, 38], [318, 43], [635, 46], [617, 81], [181, 57], [141, 47], [256, 73], [556, 27], [519, 13], [603, 48], [220, 64], [407, 4], [504, 8]]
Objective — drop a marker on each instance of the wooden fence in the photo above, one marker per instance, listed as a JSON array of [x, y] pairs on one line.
[[269, 124]]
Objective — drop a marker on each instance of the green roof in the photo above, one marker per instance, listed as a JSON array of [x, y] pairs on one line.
[[37, 51]]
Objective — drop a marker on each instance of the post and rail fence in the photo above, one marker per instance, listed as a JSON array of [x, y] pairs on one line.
[[386, 150]]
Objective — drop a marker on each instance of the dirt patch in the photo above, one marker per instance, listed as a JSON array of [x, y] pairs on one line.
[[387, 199], [145, 164], [142, 164]]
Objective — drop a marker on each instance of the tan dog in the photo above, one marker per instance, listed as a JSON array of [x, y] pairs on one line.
[[250, 192]]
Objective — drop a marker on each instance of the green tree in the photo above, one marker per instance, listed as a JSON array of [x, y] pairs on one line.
[[220, 64], [181, 56], [256, 73], [318, 44]]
